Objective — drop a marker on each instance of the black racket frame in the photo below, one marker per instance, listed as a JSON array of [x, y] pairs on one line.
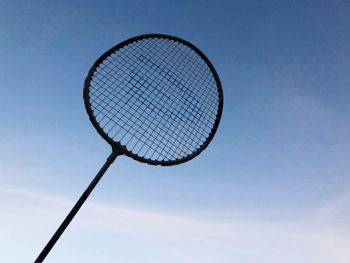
[[119, 148]]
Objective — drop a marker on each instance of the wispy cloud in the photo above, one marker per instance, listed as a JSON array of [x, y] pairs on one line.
[[28, 219], [336, 212]]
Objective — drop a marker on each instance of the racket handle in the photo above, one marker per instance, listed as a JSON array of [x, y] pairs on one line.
[[76, 208]]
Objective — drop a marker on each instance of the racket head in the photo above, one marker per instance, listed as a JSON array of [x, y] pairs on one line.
[[180, 156]]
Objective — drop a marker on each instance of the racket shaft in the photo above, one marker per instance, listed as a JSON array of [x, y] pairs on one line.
[[76, 208]]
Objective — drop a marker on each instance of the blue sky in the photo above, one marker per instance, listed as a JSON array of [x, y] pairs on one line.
[[274, 184]]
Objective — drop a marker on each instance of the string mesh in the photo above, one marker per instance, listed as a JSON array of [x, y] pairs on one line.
[[156, 97]]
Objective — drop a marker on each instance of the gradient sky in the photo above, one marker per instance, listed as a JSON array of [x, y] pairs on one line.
[[274, 184]]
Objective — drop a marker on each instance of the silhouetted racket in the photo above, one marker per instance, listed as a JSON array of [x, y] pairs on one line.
[[155, 98]]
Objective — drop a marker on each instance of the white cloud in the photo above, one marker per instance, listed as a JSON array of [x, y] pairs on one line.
[[102, 232], [336, 212]]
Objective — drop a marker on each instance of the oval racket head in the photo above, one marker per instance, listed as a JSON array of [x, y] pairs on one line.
[[156, 98]]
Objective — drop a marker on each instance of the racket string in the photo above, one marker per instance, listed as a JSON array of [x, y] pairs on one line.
[[166, 110]]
